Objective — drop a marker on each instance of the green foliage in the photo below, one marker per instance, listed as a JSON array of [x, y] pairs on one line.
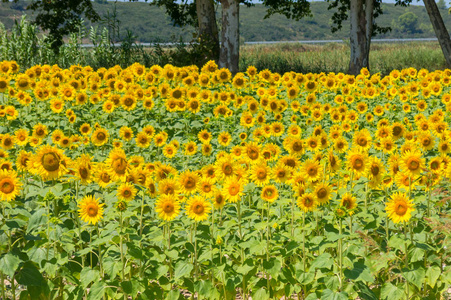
[[408, 23]]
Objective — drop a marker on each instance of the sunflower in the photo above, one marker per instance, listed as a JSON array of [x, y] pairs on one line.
[[169, 151], [128, 102], [357, 162], [189, 181], [399, 208], [108, 106], [270, 193], [224, 138], [101, 176], [204, 136], [233, 189], [143, 140], [224, 167], [307, 202], [90, 210], [323, 193], [206, 149], [362, 140], [260, 173], [167, 207], [9, 185], [126, 133], [23, 158], [49, 162], [117, 164], [311, 170], [190, 148], [84, 169], [253, 150], [40, 131], [169, 186], [126, 191], [334, 162], [412, 163], [281, 173], [100, 136], [349, 202], [197, 208]]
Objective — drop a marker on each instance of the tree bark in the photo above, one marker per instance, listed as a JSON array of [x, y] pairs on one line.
[[208, 29], [369, 8], [440, 30], [230, 36], [358, 38]]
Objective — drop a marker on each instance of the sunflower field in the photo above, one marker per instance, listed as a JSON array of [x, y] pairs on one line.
[[176, 183]]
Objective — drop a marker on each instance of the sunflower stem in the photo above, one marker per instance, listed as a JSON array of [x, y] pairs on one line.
[[292, 217], [267, 247], [2, 284], [340, 253], [121, 249], [195, 250], [100, 252], [141, 233], [406, 260]]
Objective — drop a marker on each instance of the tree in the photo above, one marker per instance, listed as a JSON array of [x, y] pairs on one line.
[[61, 17], [201, 14], [440, 30], [408, 22]]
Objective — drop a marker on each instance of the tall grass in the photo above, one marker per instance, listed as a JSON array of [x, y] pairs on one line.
[[334, 57]]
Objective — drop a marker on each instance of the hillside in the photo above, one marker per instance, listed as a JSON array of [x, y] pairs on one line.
[[150, 24]]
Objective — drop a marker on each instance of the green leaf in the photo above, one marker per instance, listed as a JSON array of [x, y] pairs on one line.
[[325, 260], [29, 275], [261, 293], [396, 242], [246, 267], [273, 266], [37, 218], [416, 254], [432, 274], [88, 275], [331, 295], [96, 291], [359, 272], [182, 269], [111, 267], [9, 264], [391, 292], [416, 276], [130, 287], [173, 295]]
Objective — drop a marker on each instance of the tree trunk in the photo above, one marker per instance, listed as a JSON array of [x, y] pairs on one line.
[[440, 30], [358, 38], [208, 30], [369, 8], [230, 36]]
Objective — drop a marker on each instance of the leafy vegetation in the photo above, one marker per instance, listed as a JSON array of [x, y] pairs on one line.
[[155, 183], [150, 24]]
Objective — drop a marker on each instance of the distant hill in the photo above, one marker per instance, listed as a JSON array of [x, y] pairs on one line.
[[151, 24]]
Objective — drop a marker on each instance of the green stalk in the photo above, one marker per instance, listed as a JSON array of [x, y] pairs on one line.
[[406, 260], [2, 284], [122, 251], [340, 253], [267, 247], [141, 233], [195, 250], [303, 240], [292, 217], [100, 253]]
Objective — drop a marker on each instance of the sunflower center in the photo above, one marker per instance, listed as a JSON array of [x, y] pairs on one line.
[[252, 153], [233, 190], [105, 177], [127, 193], [375, 170], [119, 165], [401, 209], [261, 174], [358, 163], [84, 172], [190, 183], [413, 164], [101, 136], [362, 141], [6, 186], [322, 193], [168, 208], [198, 209], [312, 171], [297, 146], [92, 210], [50, 162]]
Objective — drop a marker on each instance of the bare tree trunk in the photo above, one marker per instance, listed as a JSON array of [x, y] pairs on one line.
[[230, 36], [358, 38], [208, 29], [369, 7], [440, 30]]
